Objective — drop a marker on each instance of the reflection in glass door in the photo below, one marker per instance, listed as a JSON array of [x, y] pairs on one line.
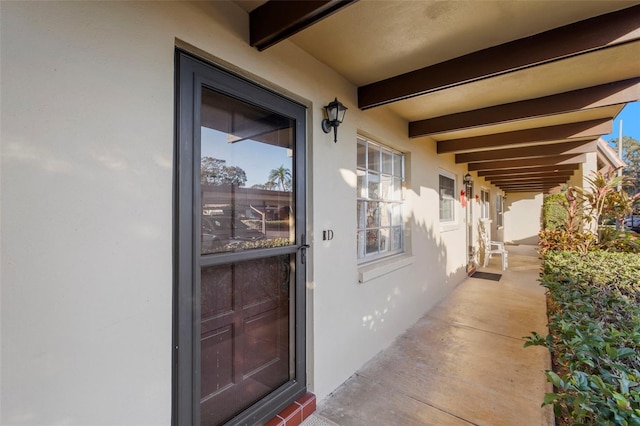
[[246, 177], [244, 299], [246, 197]]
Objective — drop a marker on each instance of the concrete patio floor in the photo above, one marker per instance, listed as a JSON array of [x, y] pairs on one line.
[[463, 363]]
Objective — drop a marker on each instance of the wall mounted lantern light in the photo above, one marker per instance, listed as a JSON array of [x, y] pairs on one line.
[[335, 114], [468, 183]]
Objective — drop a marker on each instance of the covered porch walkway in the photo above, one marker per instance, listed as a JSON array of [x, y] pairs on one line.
[[463, 363]]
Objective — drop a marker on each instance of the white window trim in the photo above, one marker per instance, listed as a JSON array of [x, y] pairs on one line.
[[449, 225], [500, 213], [482, 208], [378, 262], [372, 270]]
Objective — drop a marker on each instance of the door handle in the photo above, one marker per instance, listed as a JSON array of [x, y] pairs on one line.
[[303, 249]]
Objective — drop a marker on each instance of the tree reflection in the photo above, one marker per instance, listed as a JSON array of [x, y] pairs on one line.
[[215, 171], [281, 177]]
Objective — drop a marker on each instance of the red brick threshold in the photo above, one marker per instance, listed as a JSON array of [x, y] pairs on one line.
[[295, 413]]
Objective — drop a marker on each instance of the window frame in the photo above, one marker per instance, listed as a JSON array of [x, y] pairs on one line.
[[485, 203], [499, 210], [453, 200], [393, 202]]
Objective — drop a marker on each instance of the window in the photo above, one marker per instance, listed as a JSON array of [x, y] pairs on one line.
[[447, 190], [499, 210], [484, 204], [380, 222]]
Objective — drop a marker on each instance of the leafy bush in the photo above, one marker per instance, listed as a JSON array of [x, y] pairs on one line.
[[565, 217], [270, 225], [561, 239], [247, 245], [554, 212], [610, 240], [267, 243], [594, 323]]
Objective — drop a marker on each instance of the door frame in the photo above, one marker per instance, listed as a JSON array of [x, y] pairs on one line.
[[469, 227], [191, 74]]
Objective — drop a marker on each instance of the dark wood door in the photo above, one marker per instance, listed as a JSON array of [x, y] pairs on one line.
[[244, 334], [241, 308]]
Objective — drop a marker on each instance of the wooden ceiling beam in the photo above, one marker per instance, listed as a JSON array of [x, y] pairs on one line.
[[583, 130], [533, 183], [527, 178], [533, 190], [537, 181], [604, 95], [527, 162], [574, 39], [534, 169], [275, 21], [511, 187], [534, 180], [515, 176], [545, 189], [579, 147]]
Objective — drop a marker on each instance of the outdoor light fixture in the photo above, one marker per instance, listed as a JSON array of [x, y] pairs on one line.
[[468, 182], [335, 114]]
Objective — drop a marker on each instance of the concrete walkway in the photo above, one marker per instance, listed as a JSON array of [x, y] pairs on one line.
[[463, 363]]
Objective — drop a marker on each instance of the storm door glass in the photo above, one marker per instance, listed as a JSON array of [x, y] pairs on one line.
[[246, 178], [246, 205]]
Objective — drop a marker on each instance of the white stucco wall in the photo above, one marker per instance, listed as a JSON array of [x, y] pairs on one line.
[[522, 217], [87, 110], [581, 178]]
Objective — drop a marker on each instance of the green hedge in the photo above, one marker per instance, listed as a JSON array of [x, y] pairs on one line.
[[594, 323], [609, 240], [554, 214], [270, 225]]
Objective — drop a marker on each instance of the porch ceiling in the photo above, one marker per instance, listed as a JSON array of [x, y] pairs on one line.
[[523, 87]]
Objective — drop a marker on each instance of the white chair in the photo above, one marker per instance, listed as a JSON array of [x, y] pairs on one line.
[[492, 247]]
